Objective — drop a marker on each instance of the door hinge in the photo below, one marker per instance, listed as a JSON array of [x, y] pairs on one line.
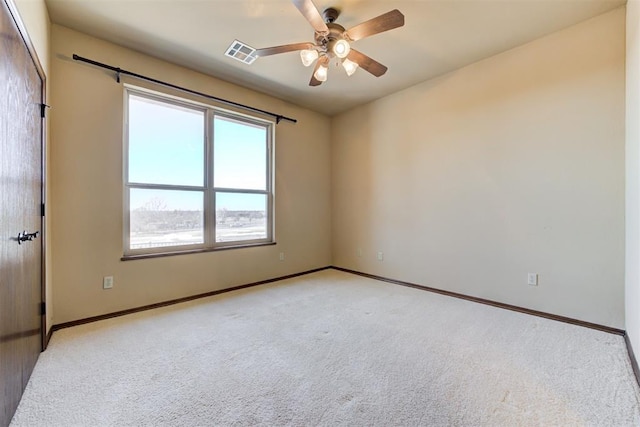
[[43, 110], [43, 308], [42, 209]]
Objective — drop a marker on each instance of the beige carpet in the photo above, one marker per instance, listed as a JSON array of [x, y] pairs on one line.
[[331, 348]]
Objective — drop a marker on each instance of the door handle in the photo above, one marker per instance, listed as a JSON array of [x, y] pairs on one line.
[[24, 236]]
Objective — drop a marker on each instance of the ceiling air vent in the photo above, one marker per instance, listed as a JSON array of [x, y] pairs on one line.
[[241, 52]]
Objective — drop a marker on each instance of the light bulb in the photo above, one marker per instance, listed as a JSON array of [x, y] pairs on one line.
[[321, 74], [349, 66], [308, 56], [341, 48]]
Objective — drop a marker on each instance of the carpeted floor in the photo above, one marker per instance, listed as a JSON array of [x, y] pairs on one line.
[[331, 348]]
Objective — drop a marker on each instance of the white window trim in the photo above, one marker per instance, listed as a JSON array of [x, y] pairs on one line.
[[208, 190]]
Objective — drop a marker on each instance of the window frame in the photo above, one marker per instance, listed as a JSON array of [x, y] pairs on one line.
[[208, 190]]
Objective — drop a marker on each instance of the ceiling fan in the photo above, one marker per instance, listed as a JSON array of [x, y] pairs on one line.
[[333, 41]]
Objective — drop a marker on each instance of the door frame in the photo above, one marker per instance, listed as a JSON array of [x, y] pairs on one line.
[[24, 34]]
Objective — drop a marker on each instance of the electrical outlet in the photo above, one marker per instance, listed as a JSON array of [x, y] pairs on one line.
[[281, 256], [532, 279], [107, 282], [380, 256], [359, 252]]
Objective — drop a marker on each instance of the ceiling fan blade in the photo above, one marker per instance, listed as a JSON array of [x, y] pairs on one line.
[[366, 63], [385, 22], [310, 11], [321, 61], [274, 50]]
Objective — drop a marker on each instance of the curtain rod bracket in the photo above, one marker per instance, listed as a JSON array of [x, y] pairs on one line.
[[119, 71]]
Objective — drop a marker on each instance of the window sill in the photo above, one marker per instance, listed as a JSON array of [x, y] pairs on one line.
[[192, 251]]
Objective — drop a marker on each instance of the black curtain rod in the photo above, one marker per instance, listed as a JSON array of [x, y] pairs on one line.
[[120, 71]]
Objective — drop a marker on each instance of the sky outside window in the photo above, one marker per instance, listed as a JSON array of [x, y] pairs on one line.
[[166, 146], [166, 143], [240, 153]]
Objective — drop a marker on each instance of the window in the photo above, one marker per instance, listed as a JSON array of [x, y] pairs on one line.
[[195, 177]]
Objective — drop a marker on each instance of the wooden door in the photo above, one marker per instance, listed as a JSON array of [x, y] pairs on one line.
[[21, 150]]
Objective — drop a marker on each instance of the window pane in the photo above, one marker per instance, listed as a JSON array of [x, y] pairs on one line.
[[240, 155], [240, 217], [166, 143], [161, 218]]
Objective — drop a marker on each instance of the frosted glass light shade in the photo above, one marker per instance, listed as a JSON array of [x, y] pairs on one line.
[[308, 56], [321, 74], [349, 66], [341, 48]]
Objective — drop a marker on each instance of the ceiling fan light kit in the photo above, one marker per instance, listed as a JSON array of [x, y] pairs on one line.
[[333, 41], [340, 47], [308, 56], [321, 73], [349, 66]]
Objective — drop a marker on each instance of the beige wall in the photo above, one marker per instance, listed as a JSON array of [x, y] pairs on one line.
[[511, 165], [86, 168], [632, 288], [35, 17]]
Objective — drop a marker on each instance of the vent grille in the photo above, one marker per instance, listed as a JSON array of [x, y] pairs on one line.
[[242, 52]]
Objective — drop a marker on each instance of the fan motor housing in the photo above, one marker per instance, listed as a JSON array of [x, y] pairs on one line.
[[336, 32]]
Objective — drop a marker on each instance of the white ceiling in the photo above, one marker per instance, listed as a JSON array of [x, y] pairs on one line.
[[439, 36]]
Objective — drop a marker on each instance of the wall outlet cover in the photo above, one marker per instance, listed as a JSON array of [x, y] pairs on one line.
[[107, 282]]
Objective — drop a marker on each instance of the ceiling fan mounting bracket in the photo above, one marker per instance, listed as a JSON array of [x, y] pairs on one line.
[[330, 15]]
